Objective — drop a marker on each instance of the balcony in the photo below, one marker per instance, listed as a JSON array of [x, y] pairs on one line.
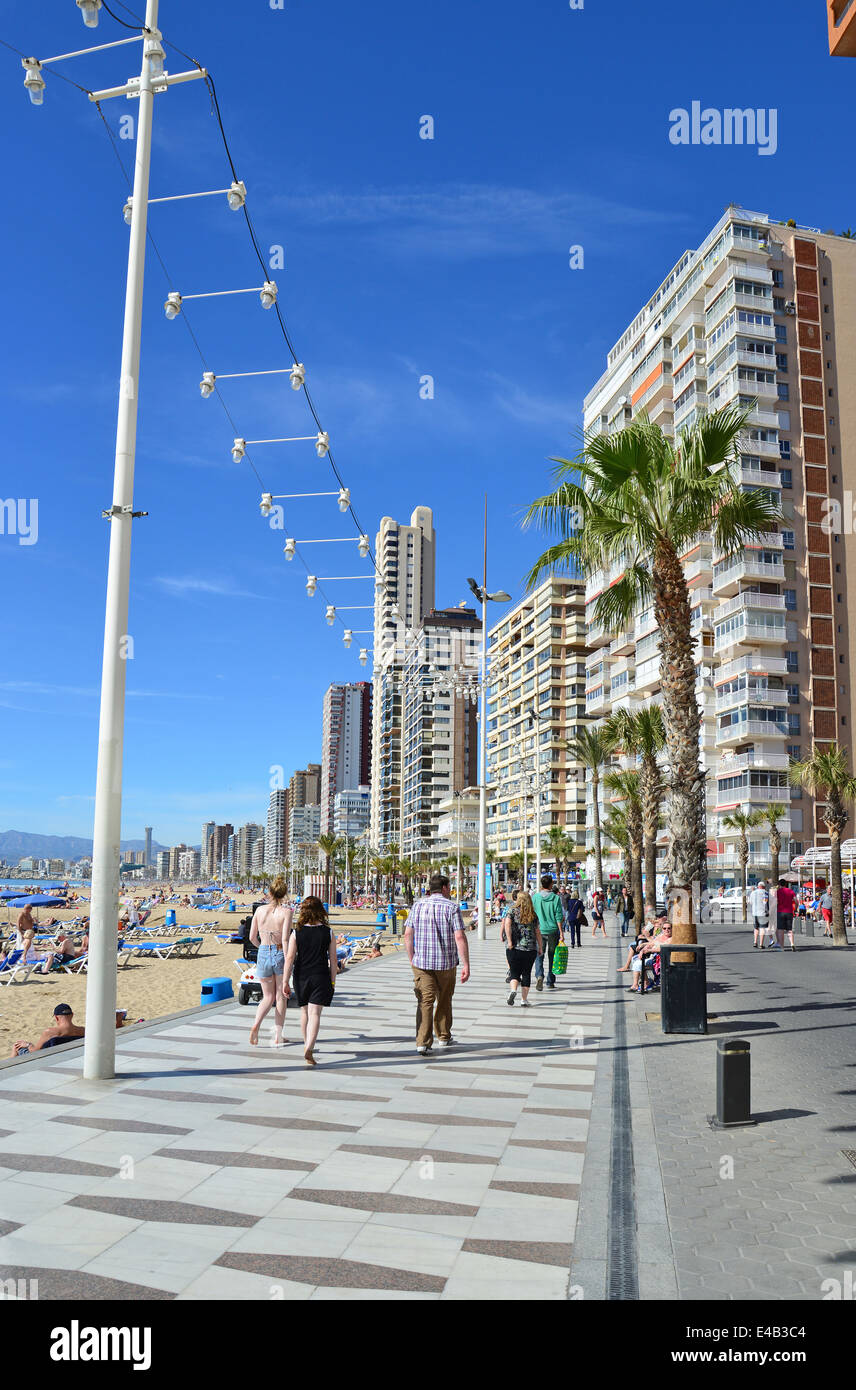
[[750, 728], [764, 419], [750, 632], [647, 674], [727, 579], [769, 762], [749, 599], [753, 665], [736, 795], [755, 695]]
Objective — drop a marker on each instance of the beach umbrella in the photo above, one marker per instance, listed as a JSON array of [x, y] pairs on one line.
[[37, 900]]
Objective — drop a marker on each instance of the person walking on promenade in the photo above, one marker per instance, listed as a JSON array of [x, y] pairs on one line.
[[269, 930], [786, 903], [548, 908], [435, 942], [311, 956], [523, 941], [621, 911], [825, 906], [597, 915], [574, 918], [759, 910]]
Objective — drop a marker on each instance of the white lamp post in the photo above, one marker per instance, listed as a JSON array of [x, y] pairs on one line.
[[481, 593]]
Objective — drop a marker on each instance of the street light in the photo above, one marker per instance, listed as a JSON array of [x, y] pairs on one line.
[[484, 598], [89, 9], [33, 81]]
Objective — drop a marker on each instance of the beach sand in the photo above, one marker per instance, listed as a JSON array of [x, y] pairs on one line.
[[146, 988]]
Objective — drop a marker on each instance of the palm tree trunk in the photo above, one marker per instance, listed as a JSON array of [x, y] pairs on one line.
[[598, 854], [649, 787], [636, 887], [774, 855], [839, 931], [687, 866], [744, 860]]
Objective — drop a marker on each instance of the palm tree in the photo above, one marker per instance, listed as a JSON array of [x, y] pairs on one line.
[[743, 821], [625, 787], [327, 844], [826, 776], [642, 733], [515, 864], [639, 499], [770, 816], [559, 845], [591, 748], [377, 863], [392, 854], [615, 828]]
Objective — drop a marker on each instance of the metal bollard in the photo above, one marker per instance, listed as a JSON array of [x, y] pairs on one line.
[[732, 1085]]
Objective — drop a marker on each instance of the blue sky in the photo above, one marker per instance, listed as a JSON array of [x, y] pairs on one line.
[[403, 257]]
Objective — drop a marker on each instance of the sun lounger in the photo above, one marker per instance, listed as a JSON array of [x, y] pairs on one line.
[[14, 971]]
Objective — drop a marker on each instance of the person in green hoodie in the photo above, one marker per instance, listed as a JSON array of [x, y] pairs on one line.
[[548, 909]]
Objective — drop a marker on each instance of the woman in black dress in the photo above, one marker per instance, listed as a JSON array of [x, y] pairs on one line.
[[312, 958]]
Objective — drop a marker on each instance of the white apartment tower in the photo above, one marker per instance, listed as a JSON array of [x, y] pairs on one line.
[[404, 593], [762, 311], [345, 745]]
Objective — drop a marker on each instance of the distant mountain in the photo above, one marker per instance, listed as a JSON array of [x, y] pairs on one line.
[[16, 844]]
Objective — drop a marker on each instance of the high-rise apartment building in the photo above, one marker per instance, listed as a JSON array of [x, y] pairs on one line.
[[218, 849], [148, 850], [206, 848], [188, 864], [346, 744], [439, 728], [762, 312], [245, 840], [842, 28], [304, 789], [304, 827], [163, 864], [404, 593], [536, 705], [276, 834], [175, 860], [351, 813]]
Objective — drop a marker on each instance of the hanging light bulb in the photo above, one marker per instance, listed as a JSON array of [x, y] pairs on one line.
[[206, 385], [239, 448], [322, 444], [348, 637], [155, 54], [288, 549], [344, 498], [363, 546], [268, 294], [237, 195], [330, 615], [128, 211], [311, 584], [364, 655], [297, 376], [172, 308], [34, 82], [89, 9], [266, 504]]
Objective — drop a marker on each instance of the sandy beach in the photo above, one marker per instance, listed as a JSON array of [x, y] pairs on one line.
[[146, 988]]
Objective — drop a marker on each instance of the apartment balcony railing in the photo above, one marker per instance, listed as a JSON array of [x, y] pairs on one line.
[[727, 579], [750, 632], [764, 419], [756, 695], [747, 600], [764, 795], [750, 728], [768, 762]]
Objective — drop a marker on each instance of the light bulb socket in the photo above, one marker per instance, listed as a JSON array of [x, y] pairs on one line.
[[322, 444], [172, 307], [239, 448], [237, 195], [206, 385], [297, 376], [128, 211], [344, 499], [33, 81], [89, 9], [268, 294]]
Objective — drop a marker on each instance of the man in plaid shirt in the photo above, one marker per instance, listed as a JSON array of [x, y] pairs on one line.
[[435, 940]]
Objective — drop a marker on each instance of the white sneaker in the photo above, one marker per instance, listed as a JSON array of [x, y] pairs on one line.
[[445, 1042], [422, 1050]]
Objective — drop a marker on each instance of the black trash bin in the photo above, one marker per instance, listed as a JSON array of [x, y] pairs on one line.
[[683, 990]]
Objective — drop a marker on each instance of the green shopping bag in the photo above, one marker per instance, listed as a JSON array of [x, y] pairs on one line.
[[560, 959]]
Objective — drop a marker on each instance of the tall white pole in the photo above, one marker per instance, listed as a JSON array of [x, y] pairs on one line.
[[99, 1053], [482, 899]]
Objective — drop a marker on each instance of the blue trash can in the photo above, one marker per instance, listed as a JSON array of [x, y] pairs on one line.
[[169, 920], [380, 919], [219, 987], [232, 905], [463, 905]]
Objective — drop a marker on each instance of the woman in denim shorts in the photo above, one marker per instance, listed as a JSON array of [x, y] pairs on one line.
[[270, 930]]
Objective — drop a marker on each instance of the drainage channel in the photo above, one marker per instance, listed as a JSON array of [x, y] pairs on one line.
[[622, 1275]]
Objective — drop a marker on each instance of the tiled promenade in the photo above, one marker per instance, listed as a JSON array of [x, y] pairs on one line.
[[210, 1169]]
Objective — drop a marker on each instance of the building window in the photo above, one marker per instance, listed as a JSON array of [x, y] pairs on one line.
[[793, 723], [794, 752], [779, 279], [787, 477], [793, 662], [781, 333], [782, 361], [791, 600], [783, 391], [784, 448], [793, 694], [788, 540]]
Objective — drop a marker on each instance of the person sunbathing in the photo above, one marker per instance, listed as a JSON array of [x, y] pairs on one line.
[[64, 1030], [375, 951], [68, 949]]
